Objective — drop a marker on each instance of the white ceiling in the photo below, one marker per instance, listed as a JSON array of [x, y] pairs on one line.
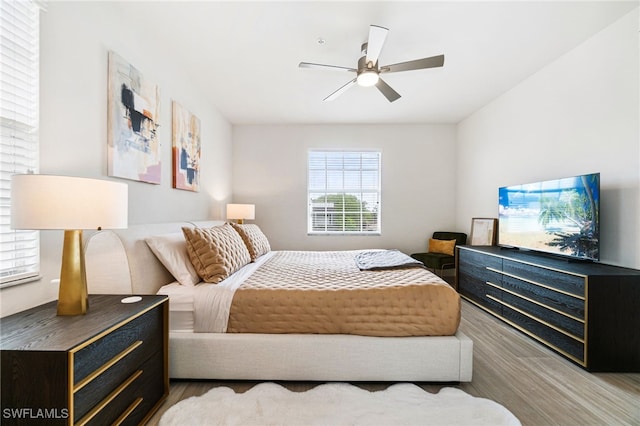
[[244, 55]]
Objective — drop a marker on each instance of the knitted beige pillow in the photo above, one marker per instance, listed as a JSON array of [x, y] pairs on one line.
[[216, 252], [257, 243]]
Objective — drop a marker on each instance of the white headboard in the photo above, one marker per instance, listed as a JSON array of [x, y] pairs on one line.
[[120, 261]]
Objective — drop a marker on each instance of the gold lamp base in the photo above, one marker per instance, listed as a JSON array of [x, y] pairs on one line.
[[72, 295]]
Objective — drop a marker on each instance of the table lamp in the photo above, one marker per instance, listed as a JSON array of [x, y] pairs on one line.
[[240, 212], [71, 204]]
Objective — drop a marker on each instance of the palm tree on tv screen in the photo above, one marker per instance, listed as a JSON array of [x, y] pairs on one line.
[[578, 208]]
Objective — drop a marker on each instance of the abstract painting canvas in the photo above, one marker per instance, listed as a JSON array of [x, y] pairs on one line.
[[134, 110], [186, 149]]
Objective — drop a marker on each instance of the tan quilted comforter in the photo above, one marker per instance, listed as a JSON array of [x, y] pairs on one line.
[[325, 293]]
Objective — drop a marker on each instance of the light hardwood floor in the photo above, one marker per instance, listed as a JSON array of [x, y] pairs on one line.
[[535, 384]]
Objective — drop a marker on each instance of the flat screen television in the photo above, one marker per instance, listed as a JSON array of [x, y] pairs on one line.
[[560, 216]]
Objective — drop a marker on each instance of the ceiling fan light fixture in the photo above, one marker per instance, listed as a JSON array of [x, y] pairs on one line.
[[367, 78], [368, 70]]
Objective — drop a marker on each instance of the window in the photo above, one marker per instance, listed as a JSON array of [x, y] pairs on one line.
[[343, 192], [19, 80]]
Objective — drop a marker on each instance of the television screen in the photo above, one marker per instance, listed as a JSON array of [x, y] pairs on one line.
[[558, 216]]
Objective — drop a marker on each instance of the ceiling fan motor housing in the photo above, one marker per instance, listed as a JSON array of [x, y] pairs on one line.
[[367, 74], [362, 62]]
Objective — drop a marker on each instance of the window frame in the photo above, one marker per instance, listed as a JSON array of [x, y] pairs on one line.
[[326, 191], [19, 127]]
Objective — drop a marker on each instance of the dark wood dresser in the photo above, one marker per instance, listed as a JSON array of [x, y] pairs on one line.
[[109, 366], [587, 312]]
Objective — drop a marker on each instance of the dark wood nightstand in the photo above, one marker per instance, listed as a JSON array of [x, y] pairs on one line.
[[108, 366]]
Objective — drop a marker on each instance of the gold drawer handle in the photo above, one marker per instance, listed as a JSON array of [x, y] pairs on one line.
[[128, 411], [106, 366], [117, 391]]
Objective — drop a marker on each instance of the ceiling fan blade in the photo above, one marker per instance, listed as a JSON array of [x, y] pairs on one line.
[[377, 36], [340, 91], [418, 64], [387, 91], [322, 66]]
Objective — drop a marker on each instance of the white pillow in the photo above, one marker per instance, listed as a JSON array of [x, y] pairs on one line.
[[171, 250]]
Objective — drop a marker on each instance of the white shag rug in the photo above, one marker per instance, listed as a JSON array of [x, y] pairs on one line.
[[337, 404]]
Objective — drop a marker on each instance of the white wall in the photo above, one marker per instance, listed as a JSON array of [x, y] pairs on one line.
[[75, 38], [580, 114], [583, 108], [418, 172]]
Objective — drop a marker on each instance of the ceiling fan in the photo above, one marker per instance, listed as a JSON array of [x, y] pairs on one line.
[[368, 71]]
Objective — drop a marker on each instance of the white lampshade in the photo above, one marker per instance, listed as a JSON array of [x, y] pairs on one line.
[[71, 204], [63, 202], [241, 211]]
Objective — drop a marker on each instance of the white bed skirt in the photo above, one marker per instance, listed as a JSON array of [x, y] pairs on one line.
[[318, 357]]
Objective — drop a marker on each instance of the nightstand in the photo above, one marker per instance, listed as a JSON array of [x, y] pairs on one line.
[[109, 366]]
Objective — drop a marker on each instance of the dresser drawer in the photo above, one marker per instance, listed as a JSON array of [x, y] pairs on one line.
[[480, 292], [559, 281], [571, 306], [545, 334], [105, 364], [474, 277], [553, 319], [478, 263]]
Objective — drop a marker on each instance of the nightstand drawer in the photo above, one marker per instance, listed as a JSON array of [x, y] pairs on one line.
[[133, 399], [138, 337], [114, 358]]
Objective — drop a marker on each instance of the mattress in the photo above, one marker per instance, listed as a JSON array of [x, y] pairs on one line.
[[181, 306], [326, 293]]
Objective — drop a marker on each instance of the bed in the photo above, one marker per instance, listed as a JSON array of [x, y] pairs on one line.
[[255, 346]]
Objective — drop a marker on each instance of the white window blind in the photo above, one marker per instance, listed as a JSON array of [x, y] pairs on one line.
[[19, 80], [343, 192]]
